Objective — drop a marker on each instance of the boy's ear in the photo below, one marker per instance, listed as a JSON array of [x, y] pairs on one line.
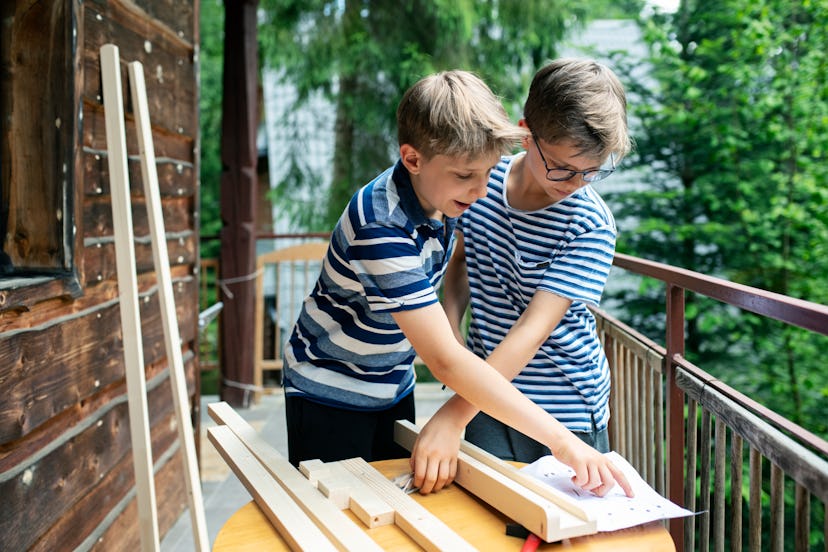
[[524, 142], [411, 158]]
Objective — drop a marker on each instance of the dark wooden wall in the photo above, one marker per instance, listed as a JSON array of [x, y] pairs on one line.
[[66, 473]]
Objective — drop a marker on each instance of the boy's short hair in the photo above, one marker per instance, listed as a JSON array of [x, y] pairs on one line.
[[455, 113], [580, 101]]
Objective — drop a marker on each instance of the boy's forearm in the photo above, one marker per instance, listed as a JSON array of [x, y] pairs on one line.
[[519, 346], [478, 382], [487, 390], [510, 357]]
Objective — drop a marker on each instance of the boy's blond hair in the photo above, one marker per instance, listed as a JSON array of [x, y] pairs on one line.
[[454, 113], [579, 101]]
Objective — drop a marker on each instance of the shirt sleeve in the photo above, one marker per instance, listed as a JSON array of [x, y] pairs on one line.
[[580, 270]]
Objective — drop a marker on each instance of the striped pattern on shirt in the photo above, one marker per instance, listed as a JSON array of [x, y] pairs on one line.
[[385, 256], [565, 249]]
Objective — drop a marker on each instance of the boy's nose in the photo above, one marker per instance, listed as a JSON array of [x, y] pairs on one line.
[[481, 188]]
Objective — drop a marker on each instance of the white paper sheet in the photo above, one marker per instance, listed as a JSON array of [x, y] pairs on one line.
[[615, 510]]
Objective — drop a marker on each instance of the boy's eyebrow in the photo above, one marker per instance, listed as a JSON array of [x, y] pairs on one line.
[[554, 164]]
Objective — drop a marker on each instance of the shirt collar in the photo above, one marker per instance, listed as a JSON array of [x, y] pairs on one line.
[[411, 204]]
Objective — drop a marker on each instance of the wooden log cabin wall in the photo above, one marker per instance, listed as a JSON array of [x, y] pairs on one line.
[[66, 471]]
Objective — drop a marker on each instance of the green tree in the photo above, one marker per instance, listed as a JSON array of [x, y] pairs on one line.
[[733, 140], [211, 53], [363, 55]]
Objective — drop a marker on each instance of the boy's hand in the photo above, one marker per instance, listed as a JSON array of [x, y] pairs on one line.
[[593, 471], [434, 456]]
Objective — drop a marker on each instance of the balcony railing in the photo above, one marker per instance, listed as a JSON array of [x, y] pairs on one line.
[[702, 443], [674, 421]]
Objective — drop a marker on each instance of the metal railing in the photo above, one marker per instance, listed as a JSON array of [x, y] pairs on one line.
[[673, 421]]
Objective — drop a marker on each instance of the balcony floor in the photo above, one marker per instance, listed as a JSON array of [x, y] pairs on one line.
[[223, 493]]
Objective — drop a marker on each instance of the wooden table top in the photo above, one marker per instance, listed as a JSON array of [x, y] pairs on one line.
[[481, 525]]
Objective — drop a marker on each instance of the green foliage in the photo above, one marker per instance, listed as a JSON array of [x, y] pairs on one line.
[[733, 141], [211, 54], [361, 58]]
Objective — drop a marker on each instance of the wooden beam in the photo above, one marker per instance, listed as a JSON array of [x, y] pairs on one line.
[[238, 200], [346, 534], [292, 523], [541, 509], [416, 521], [172, 339], [347, 491], [139, 426]]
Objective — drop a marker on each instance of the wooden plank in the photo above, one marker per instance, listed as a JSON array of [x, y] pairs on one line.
[[348, 491], [416, 521], [176, 211], [172, 340], [313, 469], [98, 256], [171, 63], [89, 456], [335, 524], [293, 524], [540, 508], [127, 284]]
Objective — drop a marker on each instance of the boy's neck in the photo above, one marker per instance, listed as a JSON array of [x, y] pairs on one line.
[[522, 191]]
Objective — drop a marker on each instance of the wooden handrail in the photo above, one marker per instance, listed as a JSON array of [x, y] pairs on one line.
[[797, 312]]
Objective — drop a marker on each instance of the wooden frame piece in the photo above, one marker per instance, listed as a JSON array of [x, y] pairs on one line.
[[301, 254], [172, 338], [338, 527], [542, 510], [413, 519], [292, 523], [348, 491], [128, 298]]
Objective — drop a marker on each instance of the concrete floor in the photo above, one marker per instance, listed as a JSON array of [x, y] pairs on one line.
[[223, 493]]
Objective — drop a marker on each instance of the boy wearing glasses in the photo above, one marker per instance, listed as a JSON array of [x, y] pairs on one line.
[[349, 361], [531, 256]]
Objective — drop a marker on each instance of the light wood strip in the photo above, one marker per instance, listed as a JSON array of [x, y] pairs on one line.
[[369, 508], [172, 339], [422, 526], [540, 508], [292, 523], [346, 534], [405, 433], [128, 296], [313, 470]]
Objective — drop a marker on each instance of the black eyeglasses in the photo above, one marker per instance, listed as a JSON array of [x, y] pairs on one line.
[[557, 174]]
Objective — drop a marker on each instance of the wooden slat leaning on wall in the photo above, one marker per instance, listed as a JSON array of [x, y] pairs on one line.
[[172, 339], [128, 286]]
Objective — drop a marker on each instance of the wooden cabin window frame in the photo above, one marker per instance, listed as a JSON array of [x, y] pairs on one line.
[[37, 161]]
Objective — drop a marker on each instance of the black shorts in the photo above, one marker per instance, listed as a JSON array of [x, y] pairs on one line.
[[327, 433]]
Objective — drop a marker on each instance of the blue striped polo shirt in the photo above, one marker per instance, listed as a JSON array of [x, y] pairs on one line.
[[565, 249], [385, 256]]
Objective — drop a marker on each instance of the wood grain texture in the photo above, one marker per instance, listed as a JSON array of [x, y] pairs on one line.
[[417, 522], [344, 533], [481, 525], [61, 335], [293, 524]]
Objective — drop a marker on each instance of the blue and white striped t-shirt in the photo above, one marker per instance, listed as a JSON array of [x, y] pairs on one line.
[[385, 256], [566, 249]]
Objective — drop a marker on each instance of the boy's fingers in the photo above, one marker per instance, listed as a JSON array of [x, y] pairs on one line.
[[581, 476], [621, 479]]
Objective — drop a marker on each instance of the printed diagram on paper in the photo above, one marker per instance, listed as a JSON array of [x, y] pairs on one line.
[[615, 510]]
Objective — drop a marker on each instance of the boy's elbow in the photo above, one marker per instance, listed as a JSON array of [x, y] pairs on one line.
[[443, 364]]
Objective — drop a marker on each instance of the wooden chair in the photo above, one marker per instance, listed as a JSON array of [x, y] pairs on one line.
[[293, 271]]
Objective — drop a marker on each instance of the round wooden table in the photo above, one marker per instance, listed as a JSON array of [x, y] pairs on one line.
[[478, 523]]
